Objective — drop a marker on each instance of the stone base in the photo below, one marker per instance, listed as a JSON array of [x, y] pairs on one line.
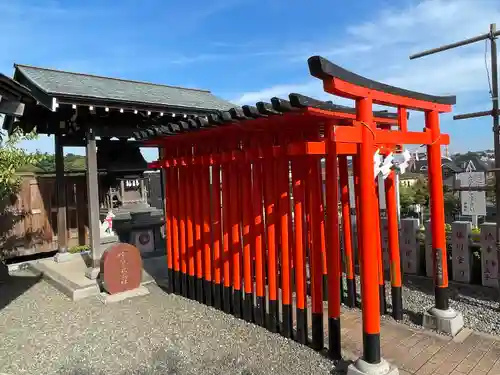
[[67, 278], [110, 298], [360, 367], [447, 321], [92, 273], [63, 257], [70, 277]]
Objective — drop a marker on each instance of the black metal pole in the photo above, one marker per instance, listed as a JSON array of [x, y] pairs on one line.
[[494, 113], [457, 44], [465, 116], [494, 98]]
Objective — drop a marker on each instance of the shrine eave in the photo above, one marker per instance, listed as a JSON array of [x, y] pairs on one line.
[[87, 88], [58, 95], [13, 97]]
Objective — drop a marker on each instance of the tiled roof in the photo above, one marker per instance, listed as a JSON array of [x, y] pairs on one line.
[[66, 84], [421, 166]]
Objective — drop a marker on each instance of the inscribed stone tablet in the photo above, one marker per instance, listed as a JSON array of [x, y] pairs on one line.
[[121, 267]]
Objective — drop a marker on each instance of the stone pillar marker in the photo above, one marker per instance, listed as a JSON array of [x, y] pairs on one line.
[[461, 255], [489, 260], [410, 247], [385, 244], [429, 258]]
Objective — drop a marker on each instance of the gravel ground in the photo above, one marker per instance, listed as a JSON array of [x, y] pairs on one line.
[[478, 304], [43, 332]]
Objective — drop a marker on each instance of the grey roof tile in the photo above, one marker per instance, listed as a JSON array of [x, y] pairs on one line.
[[61, 83]]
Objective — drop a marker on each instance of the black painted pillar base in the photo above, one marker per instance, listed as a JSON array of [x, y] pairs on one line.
[[227, 299], [351, 293], [177, 282], [441, 297], [371, 347], [199, 289], [381, 296], [397, 302], [237, 302], [248, 307], [184, 285], [260, 311], [217, 293], [191, 287], [334, 339], [301, 326], [287, 327], [207, 291], [318, 339], [272, 316]]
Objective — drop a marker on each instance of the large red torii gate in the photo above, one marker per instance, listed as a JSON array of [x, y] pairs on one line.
[[231, 238]]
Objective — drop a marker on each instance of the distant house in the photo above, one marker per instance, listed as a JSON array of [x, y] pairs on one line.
[[410, 178], [472, 163], [448, 166]]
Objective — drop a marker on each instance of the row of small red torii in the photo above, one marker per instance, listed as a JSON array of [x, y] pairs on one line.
[[242, 231]]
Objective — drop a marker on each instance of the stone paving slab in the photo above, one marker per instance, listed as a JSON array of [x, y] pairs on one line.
[[422, 352]]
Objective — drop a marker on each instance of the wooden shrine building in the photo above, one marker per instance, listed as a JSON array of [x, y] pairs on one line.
[[89, 110]]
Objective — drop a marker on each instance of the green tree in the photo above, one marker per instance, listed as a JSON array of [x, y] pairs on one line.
[[12, 158], [406, 197], [451, 203], [72, 162], [421, 192]]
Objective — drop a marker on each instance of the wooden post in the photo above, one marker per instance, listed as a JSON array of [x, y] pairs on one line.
[[93, 204], [62, 228]]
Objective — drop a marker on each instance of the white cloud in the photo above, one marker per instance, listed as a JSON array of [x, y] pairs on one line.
[[380, 49], [279, 91]]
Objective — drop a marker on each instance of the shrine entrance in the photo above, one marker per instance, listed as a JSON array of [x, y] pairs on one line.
[[252, 232]]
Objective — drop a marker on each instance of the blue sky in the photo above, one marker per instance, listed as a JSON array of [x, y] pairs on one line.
[[249, 50]]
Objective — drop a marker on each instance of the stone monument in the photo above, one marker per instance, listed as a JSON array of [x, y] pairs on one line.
[[385, 243], [121, 272], [410, 247], [489, 260], [461, 255], [429, 256]]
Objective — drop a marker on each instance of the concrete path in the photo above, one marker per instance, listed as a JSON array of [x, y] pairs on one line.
[[42, 331]]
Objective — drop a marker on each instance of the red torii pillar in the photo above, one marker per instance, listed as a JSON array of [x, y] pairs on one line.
[[365, 92]]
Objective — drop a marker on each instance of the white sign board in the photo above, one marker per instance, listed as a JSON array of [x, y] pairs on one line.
[[489, 259], [410, 247], [473, 202], [461, 255], [471, 179]]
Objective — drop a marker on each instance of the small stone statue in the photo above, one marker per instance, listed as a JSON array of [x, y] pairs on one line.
[[107, 225]]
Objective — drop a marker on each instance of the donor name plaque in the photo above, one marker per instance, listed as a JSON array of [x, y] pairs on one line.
[[410, 249], [489, 259], [121, 267], [460, 252]]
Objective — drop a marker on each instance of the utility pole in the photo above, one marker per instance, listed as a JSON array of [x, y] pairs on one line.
[[492, 36]]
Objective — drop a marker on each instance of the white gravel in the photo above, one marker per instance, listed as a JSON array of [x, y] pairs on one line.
[[478, 304], [43, 332]]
